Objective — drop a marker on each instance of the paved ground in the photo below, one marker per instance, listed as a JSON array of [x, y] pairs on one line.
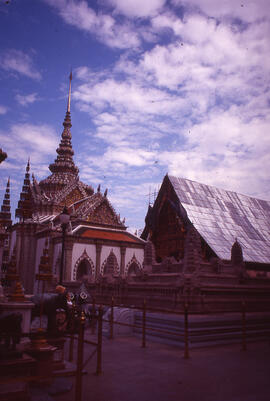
[[160, 373]]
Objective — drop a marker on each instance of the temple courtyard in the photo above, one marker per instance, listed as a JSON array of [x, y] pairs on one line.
[[159, 372]]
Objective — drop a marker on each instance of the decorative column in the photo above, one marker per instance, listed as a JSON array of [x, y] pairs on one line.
[[98, 255], [67, 276], [30, 246], [123, 260]]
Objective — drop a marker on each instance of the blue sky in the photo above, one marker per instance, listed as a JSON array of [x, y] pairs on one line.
[[158, 86]]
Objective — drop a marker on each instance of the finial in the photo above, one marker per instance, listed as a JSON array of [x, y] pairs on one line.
[[98, 189], [106, 192], [8, 183], [69, 92], [28, 165]]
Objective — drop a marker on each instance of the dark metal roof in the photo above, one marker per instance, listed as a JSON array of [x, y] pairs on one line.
[[220, 216]]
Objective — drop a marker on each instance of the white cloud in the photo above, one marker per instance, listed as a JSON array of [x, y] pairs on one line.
[[138, 8], [195, 102], [19, 62], [248, 10], [194, 107], [3, 109], [24, 100], [103, 26], [34, 141]]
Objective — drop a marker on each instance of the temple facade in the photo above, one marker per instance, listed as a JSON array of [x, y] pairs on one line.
[[97, 245], [200, 244]]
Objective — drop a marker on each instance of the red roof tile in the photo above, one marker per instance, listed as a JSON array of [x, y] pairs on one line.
[[110, 235]]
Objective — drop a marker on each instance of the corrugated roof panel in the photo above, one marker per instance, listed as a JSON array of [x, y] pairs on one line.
[[221, 216]]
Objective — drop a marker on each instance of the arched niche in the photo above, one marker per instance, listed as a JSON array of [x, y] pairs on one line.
[[83, 267], [133, 267], [110, 265]]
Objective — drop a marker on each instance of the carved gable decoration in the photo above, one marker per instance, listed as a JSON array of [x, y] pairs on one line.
[[73, 197], [103, 214]]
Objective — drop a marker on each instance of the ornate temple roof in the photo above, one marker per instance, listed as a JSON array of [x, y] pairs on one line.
[[98, 209], [63, 187], [221, 216]]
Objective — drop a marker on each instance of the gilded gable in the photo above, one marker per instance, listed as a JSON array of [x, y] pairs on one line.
[[73, 197], [103, 214]]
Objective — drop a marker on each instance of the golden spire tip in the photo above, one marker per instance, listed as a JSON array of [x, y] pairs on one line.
[[69, 92]]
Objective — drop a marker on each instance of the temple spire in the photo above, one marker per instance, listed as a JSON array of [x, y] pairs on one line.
[[5, 215], [63, 169], [24, 210], [69, 92], [64, 163]]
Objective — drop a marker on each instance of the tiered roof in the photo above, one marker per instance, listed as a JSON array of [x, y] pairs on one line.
[[64, 188], [24, 209], [63, 169], [5, 215]]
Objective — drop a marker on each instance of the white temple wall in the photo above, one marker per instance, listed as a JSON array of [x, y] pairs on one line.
[[39, 251], [56, 255], [139, 254], [130, 252], [106, 250]]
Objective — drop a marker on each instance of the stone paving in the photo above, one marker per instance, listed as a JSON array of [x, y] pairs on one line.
[[160, 373]]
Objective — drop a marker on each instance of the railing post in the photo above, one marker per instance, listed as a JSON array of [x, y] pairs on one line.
[[186, 354], [71, 346], [78, 384], [72, 325], [143, 323], [99, 345], [244, 328], [93, 313], [111, 320]]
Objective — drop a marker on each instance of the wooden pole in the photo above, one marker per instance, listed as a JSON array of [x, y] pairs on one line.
[[78, 384], [143, 324], [111, 320], [186, 354], [99, 346], [244, 328]]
